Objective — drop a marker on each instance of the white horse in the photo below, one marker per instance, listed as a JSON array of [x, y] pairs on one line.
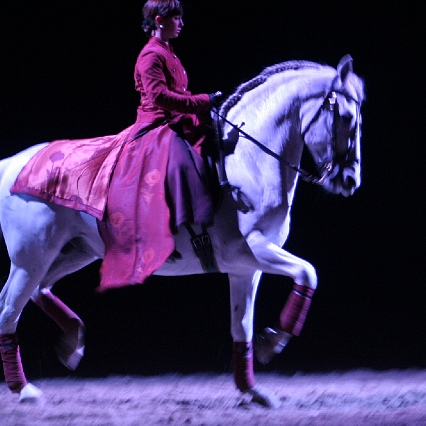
[[287, 106]]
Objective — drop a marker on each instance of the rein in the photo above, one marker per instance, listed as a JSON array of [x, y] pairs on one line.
[[304, 174], [330, 101]]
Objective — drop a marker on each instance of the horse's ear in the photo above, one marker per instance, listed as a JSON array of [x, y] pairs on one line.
[[345, 66]]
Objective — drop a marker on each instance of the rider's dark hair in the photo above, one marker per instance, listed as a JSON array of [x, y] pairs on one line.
[[163, 8]]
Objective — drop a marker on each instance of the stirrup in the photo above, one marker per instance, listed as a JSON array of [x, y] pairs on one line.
[[203, 249]]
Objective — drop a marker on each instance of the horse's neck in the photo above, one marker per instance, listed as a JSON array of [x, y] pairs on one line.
[[271, 115], [266, 185]]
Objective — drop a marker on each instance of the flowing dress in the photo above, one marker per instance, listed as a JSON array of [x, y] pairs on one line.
[[142, 183]]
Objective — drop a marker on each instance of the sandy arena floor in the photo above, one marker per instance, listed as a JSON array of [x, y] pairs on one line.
[[360, 397]]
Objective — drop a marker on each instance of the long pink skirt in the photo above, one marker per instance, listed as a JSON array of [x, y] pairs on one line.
[[140, 191]]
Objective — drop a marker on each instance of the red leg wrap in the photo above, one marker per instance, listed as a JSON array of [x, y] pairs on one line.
[[58, 311], [294, 313], [12, 366], [242, 365]]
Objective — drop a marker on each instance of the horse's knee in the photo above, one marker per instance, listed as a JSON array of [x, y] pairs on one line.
[[307, 276]]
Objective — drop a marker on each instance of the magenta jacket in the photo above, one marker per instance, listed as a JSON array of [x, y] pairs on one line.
[[163, 85]]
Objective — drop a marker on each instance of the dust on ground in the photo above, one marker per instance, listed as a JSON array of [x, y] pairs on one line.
[[390, 398]]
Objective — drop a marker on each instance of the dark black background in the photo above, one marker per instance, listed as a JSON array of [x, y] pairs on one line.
[[66, 71]]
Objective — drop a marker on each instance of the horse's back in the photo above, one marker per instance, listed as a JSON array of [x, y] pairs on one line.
[[11, 166]]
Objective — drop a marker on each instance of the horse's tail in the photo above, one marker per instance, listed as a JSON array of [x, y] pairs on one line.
[[3, 167], [7, 177], [9, 170]]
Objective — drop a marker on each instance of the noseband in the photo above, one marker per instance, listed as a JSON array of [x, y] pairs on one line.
[[341, 152], [340, 155]]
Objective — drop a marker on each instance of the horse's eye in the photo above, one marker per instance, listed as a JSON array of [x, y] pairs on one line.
[[346, 119]]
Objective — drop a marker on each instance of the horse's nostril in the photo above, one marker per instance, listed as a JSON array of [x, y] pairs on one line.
[[349, 182]]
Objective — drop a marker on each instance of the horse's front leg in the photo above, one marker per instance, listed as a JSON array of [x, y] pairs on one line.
[[243, 290], [275, 260]]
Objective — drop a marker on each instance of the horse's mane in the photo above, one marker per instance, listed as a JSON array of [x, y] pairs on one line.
[[262, 78]]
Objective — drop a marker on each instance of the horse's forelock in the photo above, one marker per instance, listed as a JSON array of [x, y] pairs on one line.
[[355, 84]]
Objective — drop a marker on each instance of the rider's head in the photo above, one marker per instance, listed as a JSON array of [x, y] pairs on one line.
[[154, 11]]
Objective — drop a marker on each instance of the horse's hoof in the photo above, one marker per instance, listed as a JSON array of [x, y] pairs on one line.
[[269, 343], [70, 348], [263, 397], [29, 393]]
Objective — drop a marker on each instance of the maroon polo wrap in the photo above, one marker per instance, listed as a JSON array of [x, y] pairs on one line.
[[293, 315], [242, 365], [58, 311], [12, 366]]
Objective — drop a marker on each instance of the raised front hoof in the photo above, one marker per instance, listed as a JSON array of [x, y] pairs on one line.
[[70, 348], [269, 343], [30, 394], [264, 397]]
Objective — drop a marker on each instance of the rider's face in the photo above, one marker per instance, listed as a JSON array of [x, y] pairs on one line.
[[172, 26]]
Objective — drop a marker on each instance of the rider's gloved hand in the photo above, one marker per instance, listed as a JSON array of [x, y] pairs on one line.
[[215, 98]]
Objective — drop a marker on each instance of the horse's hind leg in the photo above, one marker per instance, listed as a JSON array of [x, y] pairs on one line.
[[70, 348], [33, 241], [12, 366], [13, 298]]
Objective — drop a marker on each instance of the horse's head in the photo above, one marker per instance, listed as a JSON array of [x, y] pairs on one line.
[[331, 129]]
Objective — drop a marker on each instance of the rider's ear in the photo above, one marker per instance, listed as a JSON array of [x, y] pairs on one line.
[[345, 67], [158, 20]]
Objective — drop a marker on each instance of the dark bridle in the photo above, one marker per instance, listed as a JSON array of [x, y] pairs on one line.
[[342, 153]]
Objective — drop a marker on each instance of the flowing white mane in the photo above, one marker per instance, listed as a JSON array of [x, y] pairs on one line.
[[262, 78], [265, 104], [295, 65]]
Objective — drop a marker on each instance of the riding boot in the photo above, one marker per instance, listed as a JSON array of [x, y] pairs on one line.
[[293, 315], [12, 365], [242, 365]]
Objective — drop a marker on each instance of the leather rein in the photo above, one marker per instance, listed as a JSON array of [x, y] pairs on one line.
[[331, 104]]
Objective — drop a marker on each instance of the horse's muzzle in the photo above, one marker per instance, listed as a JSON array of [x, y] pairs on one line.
[[344, 179]]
